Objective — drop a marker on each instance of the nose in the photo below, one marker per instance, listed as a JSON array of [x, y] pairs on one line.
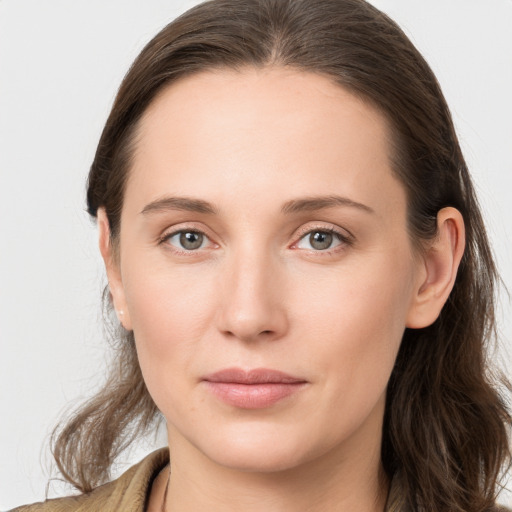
[[252, 305]]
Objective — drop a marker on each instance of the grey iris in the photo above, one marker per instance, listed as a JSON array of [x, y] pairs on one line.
[[191, 240], [320, 240]]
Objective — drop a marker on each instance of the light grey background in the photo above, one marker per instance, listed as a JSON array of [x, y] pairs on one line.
[[60, 65]]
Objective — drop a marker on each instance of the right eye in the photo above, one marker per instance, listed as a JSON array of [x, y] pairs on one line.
[[187, 240]]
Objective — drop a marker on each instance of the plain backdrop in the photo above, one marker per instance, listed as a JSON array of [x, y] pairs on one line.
[[60, 65]]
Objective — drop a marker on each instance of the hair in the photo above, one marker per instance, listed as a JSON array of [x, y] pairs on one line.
[[446, 426]]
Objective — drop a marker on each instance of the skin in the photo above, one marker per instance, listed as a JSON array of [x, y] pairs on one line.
[[257, 293]]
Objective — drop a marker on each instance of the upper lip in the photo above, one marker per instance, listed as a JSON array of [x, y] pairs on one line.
[[254, 376]]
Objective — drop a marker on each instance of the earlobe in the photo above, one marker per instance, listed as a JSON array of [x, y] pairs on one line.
[[439, 269], [113, 271]]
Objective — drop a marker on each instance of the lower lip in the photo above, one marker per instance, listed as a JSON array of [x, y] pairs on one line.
[[253, 396]]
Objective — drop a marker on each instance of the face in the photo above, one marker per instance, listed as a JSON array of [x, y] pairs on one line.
[[265, 267]]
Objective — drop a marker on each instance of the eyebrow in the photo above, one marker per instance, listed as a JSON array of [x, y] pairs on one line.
[[181, 204], [293, 206], [322, 202]]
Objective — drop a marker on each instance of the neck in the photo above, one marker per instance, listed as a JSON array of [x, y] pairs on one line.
[[343, 479]]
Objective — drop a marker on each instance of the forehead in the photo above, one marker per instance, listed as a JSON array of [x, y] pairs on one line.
[[275, 131]]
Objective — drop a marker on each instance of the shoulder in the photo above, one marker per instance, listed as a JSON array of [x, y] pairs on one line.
[[127, 493]]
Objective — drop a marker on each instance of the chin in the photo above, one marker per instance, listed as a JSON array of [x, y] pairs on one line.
[[263, 450], [248, 459]]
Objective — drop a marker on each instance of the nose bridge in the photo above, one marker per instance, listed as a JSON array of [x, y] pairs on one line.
[[251, 305]]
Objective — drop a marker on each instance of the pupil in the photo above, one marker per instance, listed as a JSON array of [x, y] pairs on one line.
[[320, 240], [191, 240]]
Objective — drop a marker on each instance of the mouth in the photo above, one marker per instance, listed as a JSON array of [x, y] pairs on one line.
[[254, 389]]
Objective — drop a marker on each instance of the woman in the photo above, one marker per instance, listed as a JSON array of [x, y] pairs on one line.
[[299, 266]]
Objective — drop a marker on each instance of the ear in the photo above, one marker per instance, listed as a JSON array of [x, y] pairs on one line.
[[112, 267], [438, 269]]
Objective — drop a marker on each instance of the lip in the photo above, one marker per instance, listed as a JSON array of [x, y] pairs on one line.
[[252, 389]]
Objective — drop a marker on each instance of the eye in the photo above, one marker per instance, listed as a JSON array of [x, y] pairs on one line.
[[321, 240], [187, 240]]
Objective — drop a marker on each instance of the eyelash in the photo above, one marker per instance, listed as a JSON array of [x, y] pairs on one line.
[[346, 240], [183, 252]]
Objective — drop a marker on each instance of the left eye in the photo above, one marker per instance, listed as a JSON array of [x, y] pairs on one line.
[[320, 240], [187, 240]]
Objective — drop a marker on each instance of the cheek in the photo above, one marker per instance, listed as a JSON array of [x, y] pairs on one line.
[[360, 299], [170, 313], [356, 322]]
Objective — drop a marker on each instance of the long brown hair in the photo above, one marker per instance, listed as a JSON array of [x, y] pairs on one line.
[[446, 426]]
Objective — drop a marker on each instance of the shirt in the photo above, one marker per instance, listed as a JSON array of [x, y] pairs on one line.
[[129, 493]]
